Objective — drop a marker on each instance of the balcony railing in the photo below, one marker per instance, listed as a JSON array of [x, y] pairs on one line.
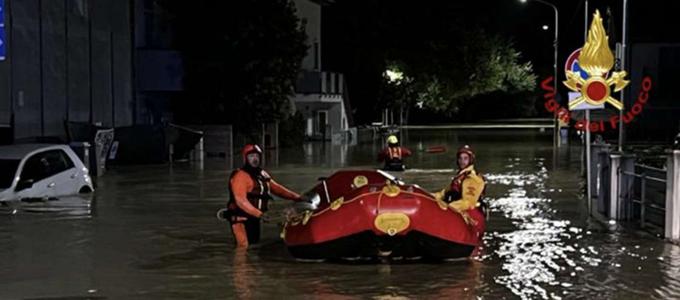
[[314, 82]]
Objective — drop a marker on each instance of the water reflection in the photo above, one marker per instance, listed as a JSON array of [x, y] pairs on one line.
[[151, 234], [670, 266], [540, 255], [326, 154], [244, 275], [66, 206], [375, 280]]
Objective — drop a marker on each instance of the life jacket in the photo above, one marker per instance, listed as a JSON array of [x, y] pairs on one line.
[[456, 187], [393, 161], [258, 197], [394, 154]]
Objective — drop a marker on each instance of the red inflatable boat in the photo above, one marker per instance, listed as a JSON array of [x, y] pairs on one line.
[[364, 214]]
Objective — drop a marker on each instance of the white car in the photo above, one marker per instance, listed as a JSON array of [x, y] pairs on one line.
[[41, 171]]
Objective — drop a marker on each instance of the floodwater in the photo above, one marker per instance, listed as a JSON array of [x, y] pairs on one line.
[[150, 232]]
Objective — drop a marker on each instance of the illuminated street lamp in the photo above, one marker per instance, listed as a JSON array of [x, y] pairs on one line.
[[394, 76]]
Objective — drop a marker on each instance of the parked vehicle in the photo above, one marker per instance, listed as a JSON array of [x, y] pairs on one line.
[[41, 171]]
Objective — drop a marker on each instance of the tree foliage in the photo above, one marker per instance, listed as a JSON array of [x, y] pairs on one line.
[[478, 65], [241, 58], [449, 49]]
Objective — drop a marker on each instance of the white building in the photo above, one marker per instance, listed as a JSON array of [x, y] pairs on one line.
[[319, 95]]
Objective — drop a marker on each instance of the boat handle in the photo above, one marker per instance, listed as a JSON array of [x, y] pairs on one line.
[[325, 189]]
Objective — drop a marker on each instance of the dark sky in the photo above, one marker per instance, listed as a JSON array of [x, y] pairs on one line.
[[358, 36], [649, 21]]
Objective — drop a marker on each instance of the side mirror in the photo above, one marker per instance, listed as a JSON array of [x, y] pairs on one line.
[[24, 184]]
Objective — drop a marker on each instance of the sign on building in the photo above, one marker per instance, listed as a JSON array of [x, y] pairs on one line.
[[2, 30]]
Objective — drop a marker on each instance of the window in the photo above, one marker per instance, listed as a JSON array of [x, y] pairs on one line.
[[8, 169], [45, 164], [322, 118], [59, 161]]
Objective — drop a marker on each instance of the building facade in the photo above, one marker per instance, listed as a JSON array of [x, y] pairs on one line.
[[108, 63], [319, 95], [66, 60]]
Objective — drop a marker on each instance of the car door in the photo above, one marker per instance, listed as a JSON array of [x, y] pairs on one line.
[[32, 179], [62, 174], [51, 173]]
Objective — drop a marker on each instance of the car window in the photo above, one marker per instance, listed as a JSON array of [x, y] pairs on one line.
[[45, 164], [8, 169], [58, 161]]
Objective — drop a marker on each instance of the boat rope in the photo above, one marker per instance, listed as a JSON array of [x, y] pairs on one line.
[[377, 208]]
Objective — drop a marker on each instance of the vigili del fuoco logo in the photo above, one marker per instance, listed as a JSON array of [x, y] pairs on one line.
[[594, 85]]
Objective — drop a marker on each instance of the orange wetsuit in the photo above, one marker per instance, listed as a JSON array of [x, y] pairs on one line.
[[250, 194]]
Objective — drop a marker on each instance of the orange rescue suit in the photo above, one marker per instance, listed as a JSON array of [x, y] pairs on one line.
[[249, 196]]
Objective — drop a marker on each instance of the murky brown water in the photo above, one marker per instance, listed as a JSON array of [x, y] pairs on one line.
[[150, 233]]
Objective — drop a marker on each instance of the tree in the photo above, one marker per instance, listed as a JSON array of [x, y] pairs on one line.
[[241, 59], [442, 46], [478, 66], [397, 90]]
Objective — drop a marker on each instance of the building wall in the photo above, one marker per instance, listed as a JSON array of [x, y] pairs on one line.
[[67, 60], [659, 119], [158, 66], [335, 117], [316, 90], [311, 13], [310, 105]]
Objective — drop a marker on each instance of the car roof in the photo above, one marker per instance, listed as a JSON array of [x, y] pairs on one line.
[[19, 151]]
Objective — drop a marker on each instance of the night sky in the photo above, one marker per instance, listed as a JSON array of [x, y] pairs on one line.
[[358, 35]]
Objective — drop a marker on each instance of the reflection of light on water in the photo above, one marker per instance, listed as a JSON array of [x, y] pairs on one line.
[[670, 263], [533, 256], [541, 252], [518, 205], [64, 206]]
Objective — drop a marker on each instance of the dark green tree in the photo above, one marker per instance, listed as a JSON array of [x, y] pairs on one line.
[[478, 65], [452, 51], [241, 59]]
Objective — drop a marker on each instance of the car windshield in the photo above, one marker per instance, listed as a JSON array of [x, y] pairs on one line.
[[8, 169]]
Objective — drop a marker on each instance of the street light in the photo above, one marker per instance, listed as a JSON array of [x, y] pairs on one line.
[[545, 27], [394, 76], [556, 130]]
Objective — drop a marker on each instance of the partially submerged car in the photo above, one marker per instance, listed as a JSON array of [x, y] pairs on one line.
[[41, 171]]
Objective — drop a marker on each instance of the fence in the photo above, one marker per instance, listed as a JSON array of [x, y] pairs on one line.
[[629, 191]]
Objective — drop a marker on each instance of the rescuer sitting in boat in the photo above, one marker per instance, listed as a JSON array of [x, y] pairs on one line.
[[249, 189], [393, 155], [465, 190]]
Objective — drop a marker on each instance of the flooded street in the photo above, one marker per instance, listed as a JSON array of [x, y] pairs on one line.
[[150, 232]]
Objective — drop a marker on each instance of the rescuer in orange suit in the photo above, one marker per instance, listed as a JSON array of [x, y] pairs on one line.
[[393, 155], [249, 190], [464, 193]]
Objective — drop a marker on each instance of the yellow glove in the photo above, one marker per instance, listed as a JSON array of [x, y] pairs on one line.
[[439, 196], [459, 206], [468, 220]]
